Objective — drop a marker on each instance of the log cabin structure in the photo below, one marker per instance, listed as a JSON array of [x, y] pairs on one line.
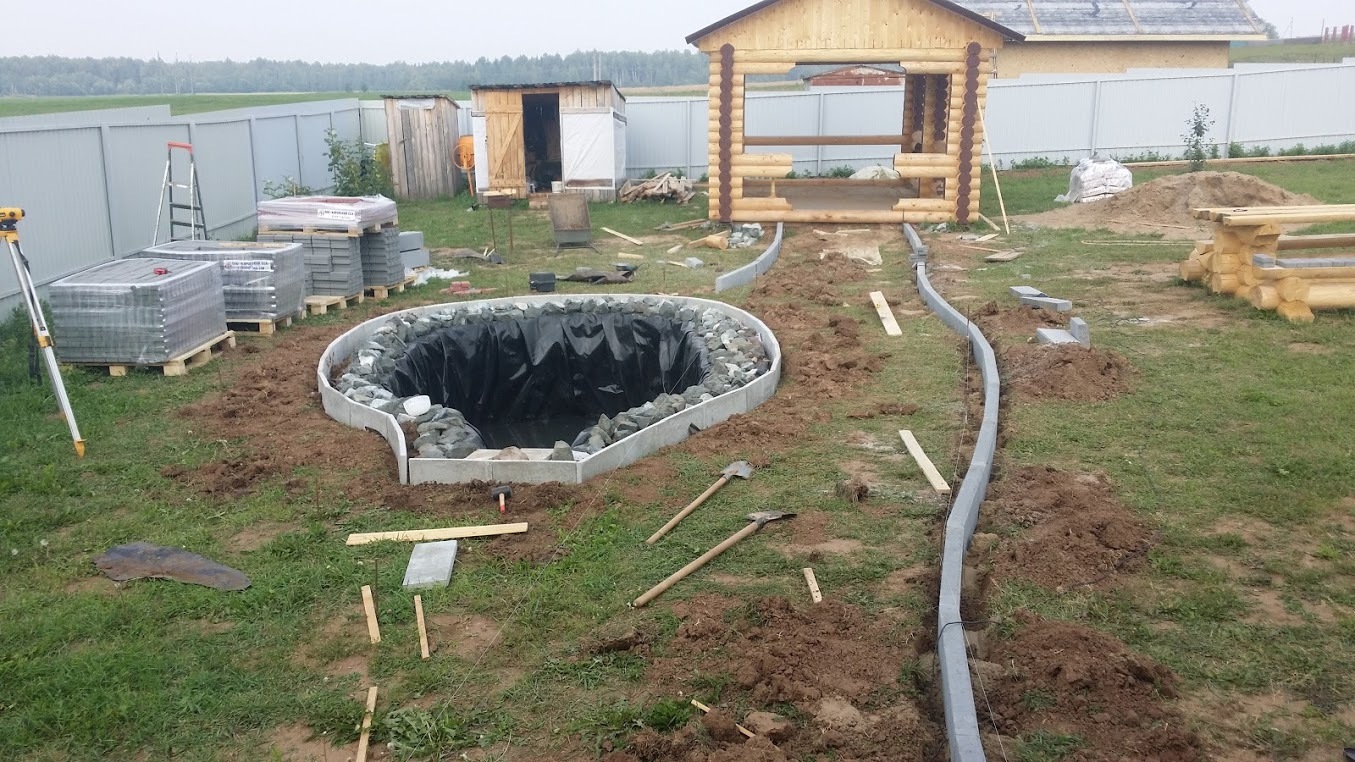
[[946, 52]]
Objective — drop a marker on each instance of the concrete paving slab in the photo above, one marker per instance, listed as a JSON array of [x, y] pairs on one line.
[[430, 565]]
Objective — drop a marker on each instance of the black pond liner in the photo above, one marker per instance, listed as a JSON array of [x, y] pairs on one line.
[[533, 381]]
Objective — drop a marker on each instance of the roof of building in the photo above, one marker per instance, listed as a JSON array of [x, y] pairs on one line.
[[546, 85], [1121, 18], [954, 7], [884, 70]]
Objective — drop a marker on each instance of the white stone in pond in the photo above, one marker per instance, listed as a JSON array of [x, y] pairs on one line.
[[417, 406]]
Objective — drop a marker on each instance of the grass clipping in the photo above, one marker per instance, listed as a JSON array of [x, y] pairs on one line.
[[1164, 205]]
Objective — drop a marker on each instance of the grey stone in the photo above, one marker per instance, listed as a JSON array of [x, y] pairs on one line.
[[430, 565], [1080, 331], [1054, 336], [562, 452], [1022, 291], [460, 451]]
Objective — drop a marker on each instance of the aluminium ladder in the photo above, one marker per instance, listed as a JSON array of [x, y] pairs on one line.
[[177, 198]]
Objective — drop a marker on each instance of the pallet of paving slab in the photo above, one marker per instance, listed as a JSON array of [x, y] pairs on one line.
[[319, 305], [176, 366], [265, 327], [379, 293], [352, 231]]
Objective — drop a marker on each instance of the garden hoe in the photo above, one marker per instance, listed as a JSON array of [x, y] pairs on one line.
[[758, 521], [741, 470]]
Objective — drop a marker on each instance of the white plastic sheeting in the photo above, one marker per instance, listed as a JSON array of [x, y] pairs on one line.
[[1095, 179], [588, 151], [477, 124]]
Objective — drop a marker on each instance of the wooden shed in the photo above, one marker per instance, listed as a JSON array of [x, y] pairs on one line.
[[530, 136], [945, 51], [422, 131]]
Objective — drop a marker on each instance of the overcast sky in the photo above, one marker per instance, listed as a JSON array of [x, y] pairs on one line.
[[418, 30]]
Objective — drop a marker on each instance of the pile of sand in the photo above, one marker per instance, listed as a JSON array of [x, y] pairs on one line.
[[1163, 205]]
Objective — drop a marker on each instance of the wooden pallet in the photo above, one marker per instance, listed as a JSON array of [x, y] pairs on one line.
[[319, 305], [353, 231], [178, 366], [383, 292], [264, 327]]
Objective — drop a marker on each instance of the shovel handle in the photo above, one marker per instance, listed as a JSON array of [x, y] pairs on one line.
[[685, 512], [657, 590]]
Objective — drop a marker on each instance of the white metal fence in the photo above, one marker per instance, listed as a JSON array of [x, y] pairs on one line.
[[90, 189]]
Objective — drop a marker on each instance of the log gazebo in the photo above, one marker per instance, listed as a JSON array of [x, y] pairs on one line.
[[946, 52]]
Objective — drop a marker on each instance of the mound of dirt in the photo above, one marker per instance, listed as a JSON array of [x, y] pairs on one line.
[[1076, 532], [1072, 373], [1017, 324], [1072, 680], [1159, 204], [837, 665]]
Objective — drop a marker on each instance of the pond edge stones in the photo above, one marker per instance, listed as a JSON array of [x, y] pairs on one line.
[[734, 351]]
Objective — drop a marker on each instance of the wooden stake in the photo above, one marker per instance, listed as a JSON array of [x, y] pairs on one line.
[[992, 165], [886, 314], [369, 608], [431, 535], [623, 237], [423, 629], [924, 463], [706, 710], [991, 224], [814, 592], [366, 725]]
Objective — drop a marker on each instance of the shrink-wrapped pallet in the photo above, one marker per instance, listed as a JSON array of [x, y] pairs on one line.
[[261, 281]]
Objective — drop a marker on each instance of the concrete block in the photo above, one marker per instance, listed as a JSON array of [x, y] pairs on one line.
[[430, 565], [411, 240], [1048, 303], [1054, 336], [1021, 292], [1080, 331]]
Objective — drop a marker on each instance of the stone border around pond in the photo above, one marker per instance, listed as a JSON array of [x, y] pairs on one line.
[[708, 410]]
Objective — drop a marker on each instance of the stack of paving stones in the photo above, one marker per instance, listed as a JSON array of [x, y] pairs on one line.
[[262, 281], [137, 311], [381, 262], [735, 353], [333, 261], [412, 251]]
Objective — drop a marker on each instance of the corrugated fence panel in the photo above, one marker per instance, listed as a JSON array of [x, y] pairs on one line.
[[57, 178], [126, 115], [1136, 116], [372, 118], [657, 134], [862, 111], [1042, 120], [314, 151], [784, 115], [275, 151], [136, 169], [1268, 104], [347, 123], [226, 176]]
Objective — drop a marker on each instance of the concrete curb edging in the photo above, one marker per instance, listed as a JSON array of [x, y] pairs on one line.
[[957, 690], [669, 431], [750, 272]]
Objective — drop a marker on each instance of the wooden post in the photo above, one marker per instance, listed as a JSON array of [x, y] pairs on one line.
[[369, 608], [726, 126], [966, 201], [423, 628], [363, 739]]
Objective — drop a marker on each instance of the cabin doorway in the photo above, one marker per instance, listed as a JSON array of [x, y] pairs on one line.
[[541, 140]]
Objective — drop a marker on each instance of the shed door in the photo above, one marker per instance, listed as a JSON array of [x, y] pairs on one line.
[[503, 133]]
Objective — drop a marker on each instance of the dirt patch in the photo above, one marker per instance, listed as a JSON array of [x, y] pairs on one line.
[[468, 636], [838, 666], [1015, 324], [1069, 679], [1306, 348], [297, 743], [1163, 206], [884, 409], [97, 585], [1075, 532], [252, 538], [1071, 373]]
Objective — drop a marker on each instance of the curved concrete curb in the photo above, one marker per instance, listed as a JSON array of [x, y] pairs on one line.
[[749, 272], [957, 691], [669, 431]]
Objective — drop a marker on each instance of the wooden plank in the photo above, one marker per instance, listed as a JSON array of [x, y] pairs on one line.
[[990, 223], [623, 236], [432, 535], [886, 314], [813, 582], [823, 140], [423, 628], [369, 608], [925, 463], [1004, 256], [706, 710], [366, 737]]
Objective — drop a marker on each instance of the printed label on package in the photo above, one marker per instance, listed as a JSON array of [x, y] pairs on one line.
[[345, 215], [247, 266]]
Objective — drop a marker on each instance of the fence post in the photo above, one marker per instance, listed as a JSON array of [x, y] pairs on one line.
[[1228, 126], [253, 164], [300, 165], [691, 170], [818, 150], [104, 131], [1096, 114]]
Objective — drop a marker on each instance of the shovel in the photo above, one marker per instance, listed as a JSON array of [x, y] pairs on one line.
[[758, 521], [739, 470]]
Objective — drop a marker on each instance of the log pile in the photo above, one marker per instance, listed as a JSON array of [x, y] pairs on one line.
[[1243, 259], [664, 188]]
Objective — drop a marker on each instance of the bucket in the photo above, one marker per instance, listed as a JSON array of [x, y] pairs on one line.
[[557, 186]]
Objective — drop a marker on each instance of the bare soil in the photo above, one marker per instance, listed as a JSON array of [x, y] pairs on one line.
[[1072, 373], [1163, 206], [1015, 325]]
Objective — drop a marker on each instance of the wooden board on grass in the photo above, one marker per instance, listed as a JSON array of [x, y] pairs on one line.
[[886, 314], [924, 463], [434, 535]]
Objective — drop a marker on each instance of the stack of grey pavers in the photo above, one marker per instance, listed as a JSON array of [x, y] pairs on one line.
[[137, 311], [262, 281], [381, 262], [333, 261], [412, 251]]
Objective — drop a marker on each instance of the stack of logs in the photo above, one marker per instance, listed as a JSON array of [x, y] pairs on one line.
[[1243, 259], [665, 187]]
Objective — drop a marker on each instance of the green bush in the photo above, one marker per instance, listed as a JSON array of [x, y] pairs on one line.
[[355, 168]]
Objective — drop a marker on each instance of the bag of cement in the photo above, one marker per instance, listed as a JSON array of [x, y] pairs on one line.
[[342, 213], [876, 173], [1097, 178]]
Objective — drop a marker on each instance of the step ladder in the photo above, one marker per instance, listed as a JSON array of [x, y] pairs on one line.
[[180, 203]]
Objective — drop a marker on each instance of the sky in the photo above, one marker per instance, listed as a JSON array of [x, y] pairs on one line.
[[349, 31]]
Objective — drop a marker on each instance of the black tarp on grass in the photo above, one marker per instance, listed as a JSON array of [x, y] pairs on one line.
[[532, 381]]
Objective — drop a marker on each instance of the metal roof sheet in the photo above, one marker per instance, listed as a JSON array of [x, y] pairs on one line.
[[1120, 17]]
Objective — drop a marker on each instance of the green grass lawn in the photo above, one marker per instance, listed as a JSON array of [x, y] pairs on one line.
[[178, 104], [1332, 53]]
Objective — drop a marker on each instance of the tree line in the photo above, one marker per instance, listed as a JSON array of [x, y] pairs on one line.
[[55, 75]]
